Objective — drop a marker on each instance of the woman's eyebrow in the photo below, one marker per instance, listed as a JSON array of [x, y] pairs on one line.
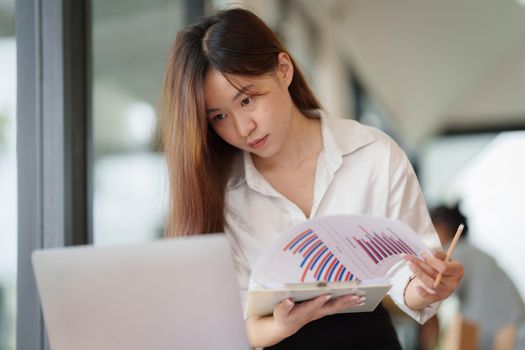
[[242, 90]]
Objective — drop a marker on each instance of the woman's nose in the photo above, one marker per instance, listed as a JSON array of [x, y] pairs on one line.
[[245, 125]]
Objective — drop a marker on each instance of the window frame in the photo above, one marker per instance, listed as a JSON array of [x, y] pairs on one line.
[[53, 142]]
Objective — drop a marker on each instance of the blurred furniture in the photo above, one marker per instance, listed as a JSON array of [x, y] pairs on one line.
[[505, 338], [461, 334]]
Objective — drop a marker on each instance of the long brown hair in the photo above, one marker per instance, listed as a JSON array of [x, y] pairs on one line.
[[235, 42]]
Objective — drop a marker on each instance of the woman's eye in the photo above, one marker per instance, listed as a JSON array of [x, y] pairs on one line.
[[219, 117], [246, 101]]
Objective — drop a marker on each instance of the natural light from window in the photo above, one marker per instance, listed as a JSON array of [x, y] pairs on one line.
[[8, 196]]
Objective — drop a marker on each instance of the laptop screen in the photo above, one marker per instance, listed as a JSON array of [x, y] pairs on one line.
[[176, 293]]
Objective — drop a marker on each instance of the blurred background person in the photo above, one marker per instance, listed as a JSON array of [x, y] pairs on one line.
[[487, 296]]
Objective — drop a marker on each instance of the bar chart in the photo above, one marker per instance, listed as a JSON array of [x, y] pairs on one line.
[[316, 259], [337, 248], [379, 246]]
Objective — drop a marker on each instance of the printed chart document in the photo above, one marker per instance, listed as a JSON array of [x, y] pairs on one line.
[[337, 255]]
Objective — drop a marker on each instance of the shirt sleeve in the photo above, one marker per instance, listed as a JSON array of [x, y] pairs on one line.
[[242, 266], [406, 203], [400, 276]]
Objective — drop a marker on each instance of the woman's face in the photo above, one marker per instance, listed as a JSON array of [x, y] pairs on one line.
[[255, 118]]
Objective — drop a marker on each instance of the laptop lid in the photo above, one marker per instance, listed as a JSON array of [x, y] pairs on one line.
[[170, 294]]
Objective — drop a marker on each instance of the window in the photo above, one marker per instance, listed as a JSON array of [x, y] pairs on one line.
[[484, 172], [8, 195], [131, 40]]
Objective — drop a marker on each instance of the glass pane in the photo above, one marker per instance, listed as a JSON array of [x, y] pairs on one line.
[[131, 40], [8, 196]]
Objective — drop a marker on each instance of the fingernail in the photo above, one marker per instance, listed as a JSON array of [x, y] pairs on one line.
[[360, 304], [362, 299], [289, 303]]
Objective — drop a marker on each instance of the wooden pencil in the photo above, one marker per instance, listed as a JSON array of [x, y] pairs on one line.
[[449, 252]]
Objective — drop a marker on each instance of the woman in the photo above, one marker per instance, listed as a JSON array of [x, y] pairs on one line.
[[250, 153]]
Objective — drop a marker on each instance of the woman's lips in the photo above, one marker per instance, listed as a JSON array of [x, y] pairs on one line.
[[258, 143]]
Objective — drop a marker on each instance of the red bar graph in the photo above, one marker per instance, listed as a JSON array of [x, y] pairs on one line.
[[379, 246], [316, 259]]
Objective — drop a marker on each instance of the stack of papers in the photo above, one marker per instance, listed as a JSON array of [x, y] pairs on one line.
[[337, 255]]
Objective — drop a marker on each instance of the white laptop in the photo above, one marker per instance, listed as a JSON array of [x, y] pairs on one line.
[[169, 294]]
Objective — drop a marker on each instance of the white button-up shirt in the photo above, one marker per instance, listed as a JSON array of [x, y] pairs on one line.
[[359, 171]]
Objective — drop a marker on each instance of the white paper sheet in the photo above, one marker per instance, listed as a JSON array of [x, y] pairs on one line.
[[335, 249]]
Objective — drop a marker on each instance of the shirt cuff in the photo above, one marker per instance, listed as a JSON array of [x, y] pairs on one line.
[[400, 275]]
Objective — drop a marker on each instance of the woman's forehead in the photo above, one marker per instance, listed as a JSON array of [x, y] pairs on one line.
[[218, 90], [235, 81]]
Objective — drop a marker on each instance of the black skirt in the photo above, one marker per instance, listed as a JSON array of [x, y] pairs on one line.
[[366, 330]]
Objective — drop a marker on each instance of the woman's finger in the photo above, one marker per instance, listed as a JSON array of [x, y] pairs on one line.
[[421, 274], [455, 268], [440, 254], [452, 276], [427, 295], [436, 263], [429, 270], [427, 275], [283, 309], [342, 303], [311, 307]]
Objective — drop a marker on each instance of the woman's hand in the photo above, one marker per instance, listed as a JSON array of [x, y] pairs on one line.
[[288, 317], [421, 291]]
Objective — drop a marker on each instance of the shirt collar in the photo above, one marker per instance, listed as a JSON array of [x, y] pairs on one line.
[[347, 134], [340, 137]]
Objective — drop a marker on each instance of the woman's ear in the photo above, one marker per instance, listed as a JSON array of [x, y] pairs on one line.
[[285, 68]]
